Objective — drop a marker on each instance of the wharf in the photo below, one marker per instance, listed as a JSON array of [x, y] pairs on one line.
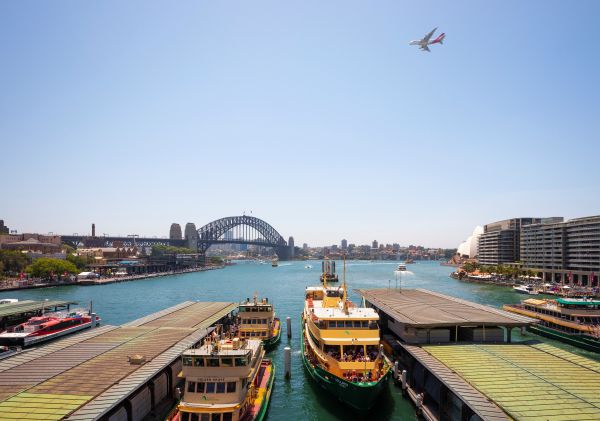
[[105, 281], [422, 316], [527, 382], [99, 374]]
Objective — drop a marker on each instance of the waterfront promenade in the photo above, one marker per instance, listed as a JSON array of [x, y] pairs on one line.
[[18, 284]]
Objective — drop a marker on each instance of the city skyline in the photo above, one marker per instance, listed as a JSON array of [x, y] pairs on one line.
[[320, 119]]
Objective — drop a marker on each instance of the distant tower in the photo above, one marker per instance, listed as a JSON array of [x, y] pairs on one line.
[[375, 244], [291, 246], [3, 228], [344, 244], [191, 235], [175, 232], [93, 230]]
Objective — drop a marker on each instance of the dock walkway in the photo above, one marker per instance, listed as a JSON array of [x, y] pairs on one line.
[[90, 375]]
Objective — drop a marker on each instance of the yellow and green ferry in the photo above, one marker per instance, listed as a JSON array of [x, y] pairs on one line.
[[341, 347], [225, 380], [256, 320]]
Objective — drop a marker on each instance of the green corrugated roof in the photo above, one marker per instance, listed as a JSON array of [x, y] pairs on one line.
[[528, 382], [571, 302], [29, 306]]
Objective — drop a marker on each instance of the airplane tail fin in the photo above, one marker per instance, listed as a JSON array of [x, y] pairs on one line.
[[440, 39]]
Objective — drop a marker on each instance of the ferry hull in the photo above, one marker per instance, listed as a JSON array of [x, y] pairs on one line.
[[580, 341], [359, 397], [271, 342]]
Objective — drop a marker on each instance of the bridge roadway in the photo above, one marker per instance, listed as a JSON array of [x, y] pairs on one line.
[[89, 376]]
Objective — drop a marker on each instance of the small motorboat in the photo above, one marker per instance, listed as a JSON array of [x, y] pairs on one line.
[[401, 268], [525, 289]]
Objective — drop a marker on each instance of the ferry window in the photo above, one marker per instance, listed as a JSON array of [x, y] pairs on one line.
[[226, 362], [231, 387], [205, 417], [200, 387], [210, 388], [227, 416], [372, 325], [198, 362], [220, 387], [185, 416], [357, 323], [191, 387], [364, 324], [254, 321], [348, 323], [193, 417], [264, 334], [239, 362], [187, 361], [215, 417], [213, 362]]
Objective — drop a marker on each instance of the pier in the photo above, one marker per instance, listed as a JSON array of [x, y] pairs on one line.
[[116, 373], [461, 365]]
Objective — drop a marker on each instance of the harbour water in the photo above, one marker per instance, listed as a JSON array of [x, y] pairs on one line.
[[284, 285]]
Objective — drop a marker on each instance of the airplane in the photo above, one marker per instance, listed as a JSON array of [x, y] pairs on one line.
[[424, 43]]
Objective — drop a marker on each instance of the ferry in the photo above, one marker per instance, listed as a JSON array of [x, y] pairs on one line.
[[256, 320], [525, 289], [575, 321], [48, 326], [225, 380], [274, 262], [341, 348], [328, 271], [401, 267]]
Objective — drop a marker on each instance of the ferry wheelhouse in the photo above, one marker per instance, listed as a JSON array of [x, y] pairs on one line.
[[256, 320], [225, 380], [48, 326], [328, 271], [341, 347], [572, 320]]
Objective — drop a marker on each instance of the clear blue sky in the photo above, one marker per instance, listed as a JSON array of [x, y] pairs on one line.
[[317, 116]]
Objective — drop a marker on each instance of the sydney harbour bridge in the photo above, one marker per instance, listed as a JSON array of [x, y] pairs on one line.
[[229, 230]]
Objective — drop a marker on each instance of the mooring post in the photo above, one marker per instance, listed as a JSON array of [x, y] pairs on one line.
[[404, 382], [288, 322], [288, 362]]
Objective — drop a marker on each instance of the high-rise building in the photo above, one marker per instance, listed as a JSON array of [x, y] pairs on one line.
[[291, 247], [175, 232], [344, 244], [500, 241], [563, 251], [3, 229], [191, 235], [304, 246], [375, 244]]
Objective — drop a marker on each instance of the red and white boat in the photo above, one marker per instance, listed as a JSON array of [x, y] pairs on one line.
[[48, 326]]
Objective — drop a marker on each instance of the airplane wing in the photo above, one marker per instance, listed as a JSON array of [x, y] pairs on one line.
[[429, 35], [425, 48]]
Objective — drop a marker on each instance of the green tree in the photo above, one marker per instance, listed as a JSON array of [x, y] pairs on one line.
[[14, 261], [216, 260], [79, 261], [160, 250], [44, 267]]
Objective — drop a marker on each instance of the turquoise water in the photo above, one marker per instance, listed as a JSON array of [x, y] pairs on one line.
[[298, 398]]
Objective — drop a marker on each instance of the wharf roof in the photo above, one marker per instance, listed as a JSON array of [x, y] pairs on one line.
[[28, 306], [427, 309], [527, 381], [86, 375]]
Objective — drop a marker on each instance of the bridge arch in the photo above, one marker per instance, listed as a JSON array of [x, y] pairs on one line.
[[213, 233]]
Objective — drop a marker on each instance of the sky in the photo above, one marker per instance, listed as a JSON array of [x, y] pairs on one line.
[[317, 117]]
